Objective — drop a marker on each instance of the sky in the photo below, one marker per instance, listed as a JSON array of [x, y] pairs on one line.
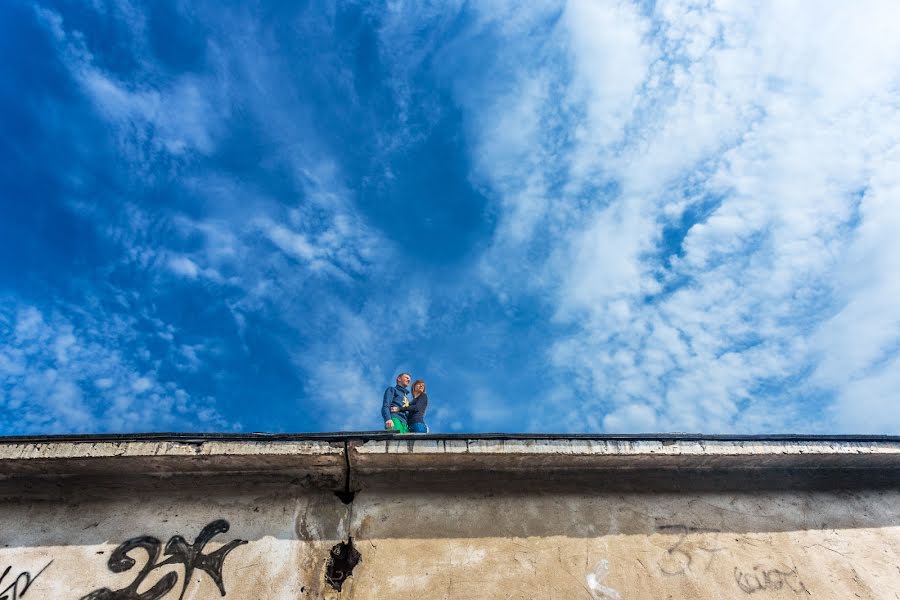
[[586, 216]]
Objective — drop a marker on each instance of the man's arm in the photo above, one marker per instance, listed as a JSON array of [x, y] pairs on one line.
[[386, 407]]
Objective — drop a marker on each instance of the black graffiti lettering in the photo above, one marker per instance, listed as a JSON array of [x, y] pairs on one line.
[[119, 562], [179, 552], [744, 581], [192, 557], [679, 557], [762, 578], [20, 585], [677, 567], [773, 580]]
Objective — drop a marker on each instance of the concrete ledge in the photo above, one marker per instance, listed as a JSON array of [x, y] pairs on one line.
[[564, 454], [321, 461], [332, 460], [625, 464]]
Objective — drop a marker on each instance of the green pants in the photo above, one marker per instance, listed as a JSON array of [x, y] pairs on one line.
[[399, 426]]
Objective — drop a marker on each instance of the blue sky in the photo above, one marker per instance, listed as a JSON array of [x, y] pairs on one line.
[[565, 217]]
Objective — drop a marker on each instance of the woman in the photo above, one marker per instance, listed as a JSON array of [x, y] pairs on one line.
[[415, 412]]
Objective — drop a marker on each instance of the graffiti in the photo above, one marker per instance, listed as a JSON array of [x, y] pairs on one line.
[[681, 556], [761, 578], [179, 552], [595, 583], [19, 586]]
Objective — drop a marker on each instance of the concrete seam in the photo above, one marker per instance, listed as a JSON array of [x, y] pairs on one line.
[[348, 473]]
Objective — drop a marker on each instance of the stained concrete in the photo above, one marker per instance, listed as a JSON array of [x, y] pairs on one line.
[[455, 517]]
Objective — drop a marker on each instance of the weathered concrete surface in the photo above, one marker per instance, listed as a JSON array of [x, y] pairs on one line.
[[288, 531], [572, 454], [454, 518], [538, 545], [323, 461]]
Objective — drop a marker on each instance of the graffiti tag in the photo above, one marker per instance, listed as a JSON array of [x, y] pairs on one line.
[[18, 587], [179, 552], [761, 578], [680, 557]]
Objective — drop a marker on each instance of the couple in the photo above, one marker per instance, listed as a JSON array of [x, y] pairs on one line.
[[404, 412]]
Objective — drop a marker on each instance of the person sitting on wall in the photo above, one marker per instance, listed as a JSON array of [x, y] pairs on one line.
[[415, 412], [396, 396]]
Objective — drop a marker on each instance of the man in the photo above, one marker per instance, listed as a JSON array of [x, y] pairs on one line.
[[396, 395]]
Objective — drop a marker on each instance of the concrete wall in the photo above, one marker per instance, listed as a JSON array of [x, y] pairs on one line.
[[450, 518]]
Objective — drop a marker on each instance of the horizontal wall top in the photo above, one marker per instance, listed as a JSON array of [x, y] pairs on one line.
[[342, 436], [331, 459]]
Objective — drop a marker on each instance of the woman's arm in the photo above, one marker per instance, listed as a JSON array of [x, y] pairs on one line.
[[418, 406]]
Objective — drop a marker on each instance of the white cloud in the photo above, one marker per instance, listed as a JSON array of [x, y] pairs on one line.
[[183, 265], [869, 402], [178, 114], [338, 250], [295, 244], [29, 324], [766, 122], [351, 394], [631, 417], [57, 377], [178, 119], [610, 62], [158, 117], [141, 384]]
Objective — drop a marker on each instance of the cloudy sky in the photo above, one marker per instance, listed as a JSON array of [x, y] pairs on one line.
[[592, 216]]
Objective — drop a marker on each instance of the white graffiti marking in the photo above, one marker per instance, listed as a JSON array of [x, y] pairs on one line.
[[595, 583]]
